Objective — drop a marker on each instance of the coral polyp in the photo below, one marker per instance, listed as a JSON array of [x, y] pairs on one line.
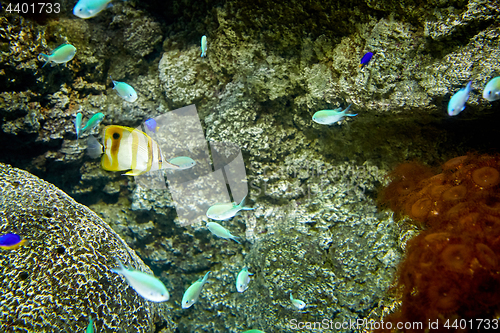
[[451, 270], [455, 193], [486, 176], [421, 208]]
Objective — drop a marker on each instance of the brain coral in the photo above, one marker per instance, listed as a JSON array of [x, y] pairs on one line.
[[62, 276]]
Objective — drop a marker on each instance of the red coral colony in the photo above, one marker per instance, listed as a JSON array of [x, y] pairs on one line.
[[451, 271]]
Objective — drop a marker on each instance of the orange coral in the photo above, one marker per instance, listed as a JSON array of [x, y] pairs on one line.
[[452, 269], [485, 177]]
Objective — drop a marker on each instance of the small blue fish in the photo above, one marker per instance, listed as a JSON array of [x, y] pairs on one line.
[[297, 302], [204, 46], [60, 55], [151, 125], [124, 90], [78, 124], [11, 241], [89, 8], [225, 211], [242, 280], [192, 293], [366, 59], [90, 327], [144, 284], [183, 162], [329, 117], [457, 101], [492, 90], [93, 122], [221, 232]]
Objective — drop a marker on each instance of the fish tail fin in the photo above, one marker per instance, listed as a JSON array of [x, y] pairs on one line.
[[242, 204], [361, 65], [235, 238], [119, 269], [45, 57], [94, 148], [291, 297], [351, 114], [205, 278]]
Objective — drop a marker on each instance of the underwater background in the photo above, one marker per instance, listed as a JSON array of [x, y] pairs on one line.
[[316, 229]]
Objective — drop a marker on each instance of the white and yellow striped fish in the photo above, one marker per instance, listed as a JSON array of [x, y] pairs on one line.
[[127, 148]]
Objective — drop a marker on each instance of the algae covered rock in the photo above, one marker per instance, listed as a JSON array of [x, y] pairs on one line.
[[63, 276]]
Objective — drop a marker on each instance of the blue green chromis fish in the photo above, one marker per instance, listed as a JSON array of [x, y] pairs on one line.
[[220, 231], [203, 46], [60, 55], [192, 293], [78, 124], [458, 100], [329, 117], [124, 90], [183, 162], [90, 327], [297, 302], [93, 122], [144, 284], [225, 211], [492, 90], [254, 331], [242, 280], [89, 8]]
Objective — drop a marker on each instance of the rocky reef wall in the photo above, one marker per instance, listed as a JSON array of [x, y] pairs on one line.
[[269, 66]]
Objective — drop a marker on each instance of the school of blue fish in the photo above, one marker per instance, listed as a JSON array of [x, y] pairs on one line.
[[134, 151]]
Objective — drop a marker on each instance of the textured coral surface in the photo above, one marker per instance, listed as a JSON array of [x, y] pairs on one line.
[[62, 277], [451, 269]]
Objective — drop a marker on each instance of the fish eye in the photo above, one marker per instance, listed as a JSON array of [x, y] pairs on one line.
[[116, 136], [489, 92], [130, 95]]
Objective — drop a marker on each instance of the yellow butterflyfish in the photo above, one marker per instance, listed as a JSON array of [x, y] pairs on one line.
[[127, 148]]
